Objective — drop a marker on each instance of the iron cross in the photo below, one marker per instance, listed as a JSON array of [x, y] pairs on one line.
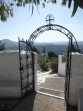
[[49, 18]]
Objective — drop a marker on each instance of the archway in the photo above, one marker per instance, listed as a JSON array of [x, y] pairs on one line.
[[49, 27], [72, 46]]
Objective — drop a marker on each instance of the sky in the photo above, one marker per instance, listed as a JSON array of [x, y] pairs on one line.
[[22, 24]]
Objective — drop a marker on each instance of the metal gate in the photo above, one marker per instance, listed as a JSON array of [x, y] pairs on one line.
[[68, 71], [26, 58], [72, 46], [28, 46]]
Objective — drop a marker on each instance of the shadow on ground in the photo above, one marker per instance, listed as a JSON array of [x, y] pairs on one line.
[[71, 108], [26, 104], [39, 102]]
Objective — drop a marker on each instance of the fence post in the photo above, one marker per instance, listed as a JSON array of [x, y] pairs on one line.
[[35, 70]]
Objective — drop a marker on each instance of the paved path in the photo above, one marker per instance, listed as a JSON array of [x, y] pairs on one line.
[[39, 102], [55, 83], [52, 81]]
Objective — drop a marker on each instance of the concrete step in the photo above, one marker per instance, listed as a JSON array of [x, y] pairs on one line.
[[56, 83], [52, 92]]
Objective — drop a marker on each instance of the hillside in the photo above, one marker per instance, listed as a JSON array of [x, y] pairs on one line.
[[11, 45], [55, 46], [8, 42]]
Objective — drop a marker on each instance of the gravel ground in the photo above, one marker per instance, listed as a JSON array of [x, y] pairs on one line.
[[39, 102]]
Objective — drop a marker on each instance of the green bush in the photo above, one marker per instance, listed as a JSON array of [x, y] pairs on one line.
[[52, 55], [43, 65], [54, 64]]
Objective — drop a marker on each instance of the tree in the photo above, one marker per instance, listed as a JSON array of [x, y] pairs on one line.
[[74, 49], [43, 65], [6, 10], [44, 50], [2, 46], [44, 54], [52, 54], [6, 6], [34, 49]]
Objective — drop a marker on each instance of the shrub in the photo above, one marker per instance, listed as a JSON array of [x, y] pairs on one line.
[[43, 65], [54, 64], [52, 54]]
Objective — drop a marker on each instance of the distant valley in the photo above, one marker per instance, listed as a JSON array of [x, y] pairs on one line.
[[54, 46]]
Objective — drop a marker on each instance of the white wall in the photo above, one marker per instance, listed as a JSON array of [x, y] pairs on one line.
[[10, 83], [61, 66], [76, 80], [10, 92]]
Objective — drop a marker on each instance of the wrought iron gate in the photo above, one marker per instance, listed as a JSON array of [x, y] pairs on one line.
[[71, 47], [26, 59], [28, 46], [68, 71]]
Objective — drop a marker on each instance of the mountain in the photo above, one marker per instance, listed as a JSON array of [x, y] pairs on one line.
[[80, 42], [56, 43], [10, 45], [50, 43], [8, 42], [57, 46], [52, 46]]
